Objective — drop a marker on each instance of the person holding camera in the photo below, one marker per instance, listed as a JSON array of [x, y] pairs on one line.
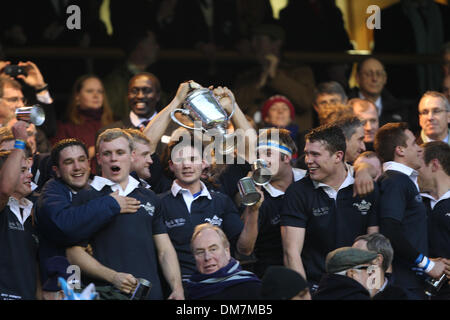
[[22, 85]]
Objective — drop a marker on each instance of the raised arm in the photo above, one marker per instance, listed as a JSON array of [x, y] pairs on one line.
[[10, 172], [156, 128]]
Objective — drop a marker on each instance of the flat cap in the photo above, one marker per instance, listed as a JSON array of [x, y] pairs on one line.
[[346, 258]]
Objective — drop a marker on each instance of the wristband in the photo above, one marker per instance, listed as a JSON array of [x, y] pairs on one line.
[[424, 263], [19, 144], [429, 267], [42, 89]]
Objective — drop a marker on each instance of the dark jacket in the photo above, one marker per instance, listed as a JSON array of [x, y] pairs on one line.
[[337, 287], [60, 224]]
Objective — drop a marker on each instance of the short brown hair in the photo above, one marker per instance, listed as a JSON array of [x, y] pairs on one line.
[[388, 138], [437, 150], [138, 136], [113, 134]]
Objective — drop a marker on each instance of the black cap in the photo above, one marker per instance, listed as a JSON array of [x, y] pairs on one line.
[[281, 283]]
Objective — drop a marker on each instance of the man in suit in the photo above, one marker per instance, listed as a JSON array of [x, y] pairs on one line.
[[371, 78]]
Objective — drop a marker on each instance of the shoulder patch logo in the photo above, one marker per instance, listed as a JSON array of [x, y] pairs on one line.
[[363, 206], [214, 221], [149, 208]]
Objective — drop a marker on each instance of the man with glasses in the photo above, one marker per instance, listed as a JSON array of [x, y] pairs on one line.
[[347, 275], [33, 85], [371, 79], [434, 116]]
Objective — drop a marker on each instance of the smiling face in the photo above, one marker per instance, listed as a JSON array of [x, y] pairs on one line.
[[115, 159], [73, 167], [321, 163], [369, 118], [23, 187], [209, 252], [187, 165], [143, 95]]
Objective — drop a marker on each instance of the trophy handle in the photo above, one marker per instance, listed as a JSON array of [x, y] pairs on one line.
[[185, 112]]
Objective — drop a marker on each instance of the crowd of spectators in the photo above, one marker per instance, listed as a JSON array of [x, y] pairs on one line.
[[357, 203]]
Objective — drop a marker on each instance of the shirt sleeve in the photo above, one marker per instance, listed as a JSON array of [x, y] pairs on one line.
[[294, 210], [392, 198], [158, 226]]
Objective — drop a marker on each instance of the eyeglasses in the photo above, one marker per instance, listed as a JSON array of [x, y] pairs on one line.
[[371, 74], [361, 267], [145, 91], [15, 99], [433, 111]]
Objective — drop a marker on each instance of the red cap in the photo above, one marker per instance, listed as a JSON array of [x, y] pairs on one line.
[[274, 99]]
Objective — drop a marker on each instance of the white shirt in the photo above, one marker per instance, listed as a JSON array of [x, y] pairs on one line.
[[137, 121], [187, 195], [426, 139], [399, 167], [15, 206], [274, 192], [330, 191], [433, 201], [99, 182]]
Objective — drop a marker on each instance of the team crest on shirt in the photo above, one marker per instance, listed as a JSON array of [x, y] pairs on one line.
[[363, 206], [149, 208], [317, 212], [447, 214], [214, 220]]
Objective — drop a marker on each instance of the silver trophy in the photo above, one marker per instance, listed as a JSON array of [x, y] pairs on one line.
[[261, 173], [34, 114], [202, 106]]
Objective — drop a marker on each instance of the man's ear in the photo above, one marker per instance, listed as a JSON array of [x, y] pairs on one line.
[[399, 151], [339, 156], [171, 165], [56, 170], [435, 165]]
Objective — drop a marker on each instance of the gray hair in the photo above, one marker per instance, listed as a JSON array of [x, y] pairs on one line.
[[330, 87], [380, 244], [436, 94]]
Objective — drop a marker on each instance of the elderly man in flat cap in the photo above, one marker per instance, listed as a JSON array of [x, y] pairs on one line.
[[347, 275]]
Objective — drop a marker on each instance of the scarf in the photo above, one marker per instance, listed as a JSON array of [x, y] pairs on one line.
[[202, 285]]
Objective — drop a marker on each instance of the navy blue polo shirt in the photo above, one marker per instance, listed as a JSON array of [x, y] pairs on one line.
[[329, 223], [400, 200], [126, 243], [18, 257], [219, 210], [268, 246], [439, 227]]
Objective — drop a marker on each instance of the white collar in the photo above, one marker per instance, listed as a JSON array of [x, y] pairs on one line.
[[400, 167], [99, 183], [274, 192], [15, 206], [136, 120], [433, 201], [176, 188], [332, 193], [426, 139]]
